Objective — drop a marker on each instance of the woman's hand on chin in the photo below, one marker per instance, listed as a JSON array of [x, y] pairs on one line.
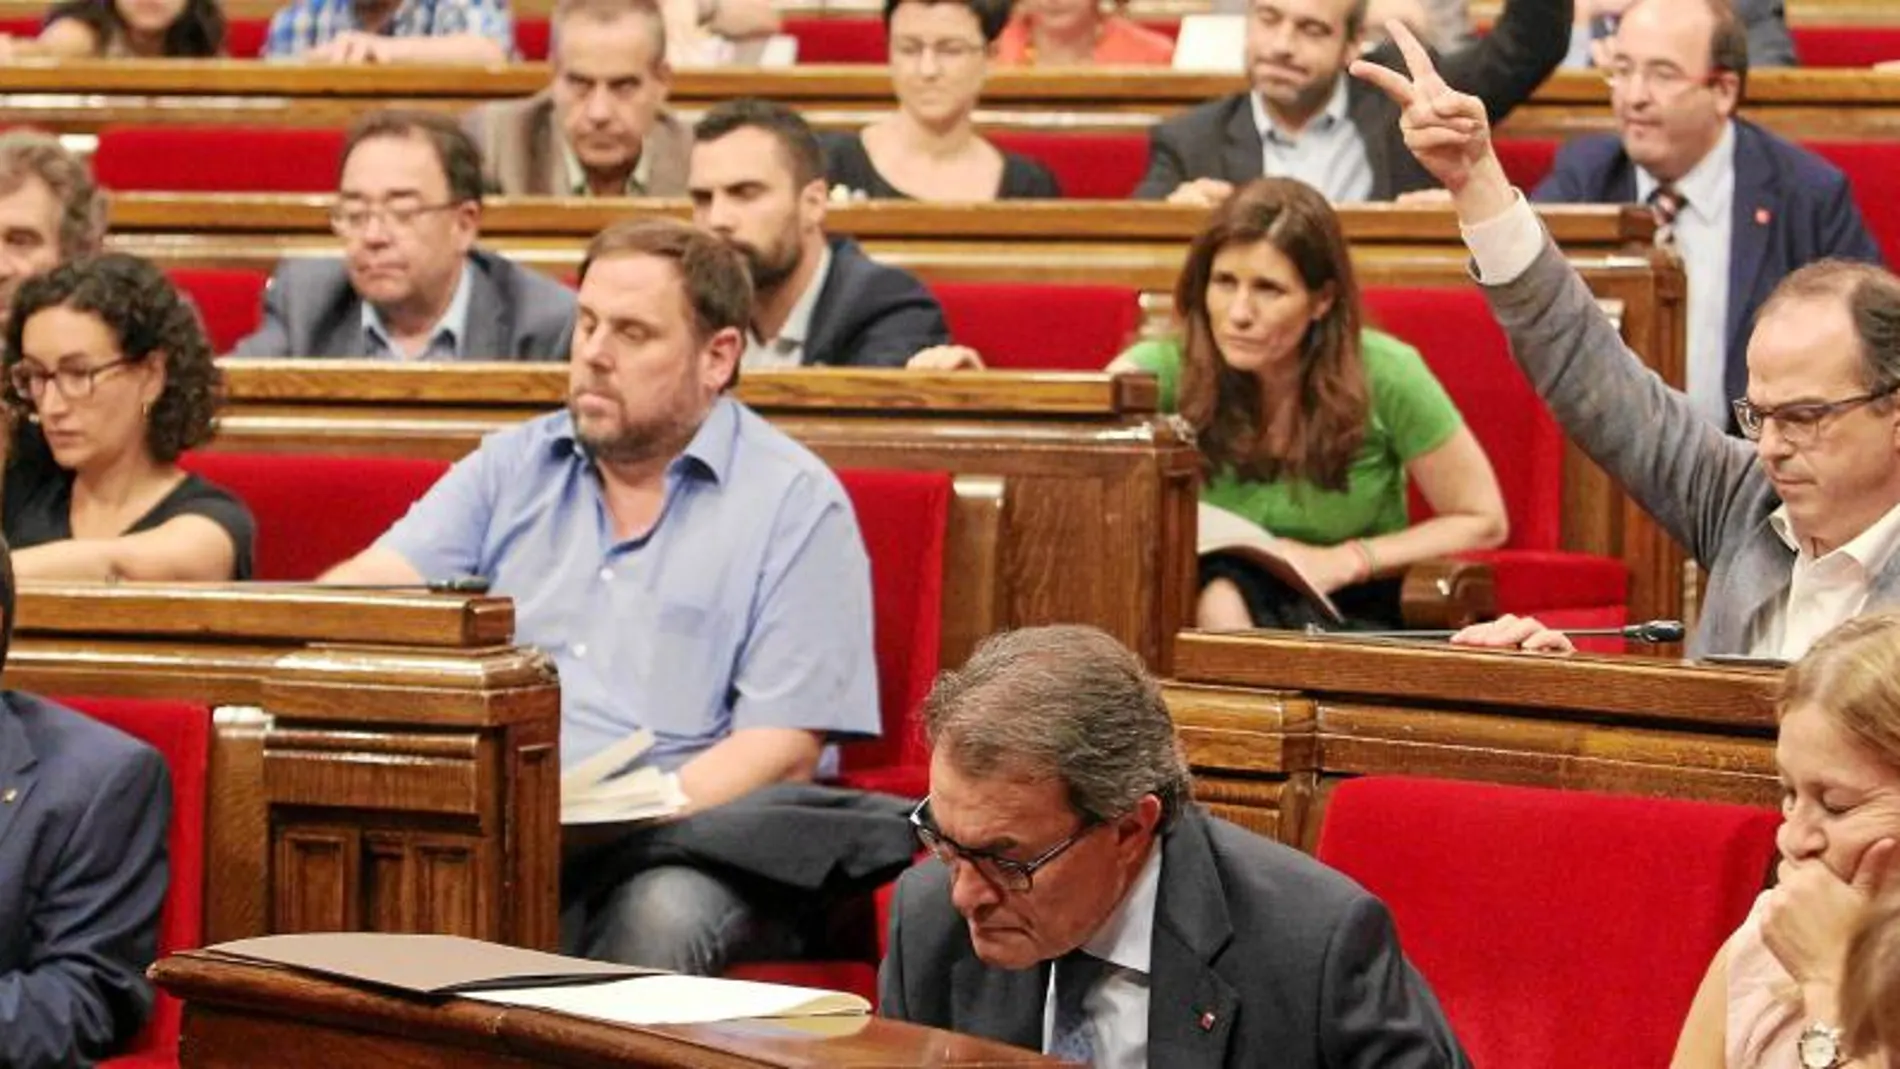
[[1811, 913]]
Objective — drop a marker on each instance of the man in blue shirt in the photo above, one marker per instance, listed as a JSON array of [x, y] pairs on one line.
[[691, 570], [392, 31]]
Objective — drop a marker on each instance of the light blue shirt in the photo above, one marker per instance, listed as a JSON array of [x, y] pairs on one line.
[[1328, 154], [445, 340], [1704, 232], [747, 605], [302, 25]]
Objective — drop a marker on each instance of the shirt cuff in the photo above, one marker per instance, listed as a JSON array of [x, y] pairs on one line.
[[1504, 246]]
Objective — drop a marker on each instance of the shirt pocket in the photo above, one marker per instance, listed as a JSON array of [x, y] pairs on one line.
[[686, 657]]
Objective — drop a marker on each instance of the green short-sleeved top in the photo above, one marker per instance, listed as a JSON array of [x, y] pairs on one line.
[[1411, 416]]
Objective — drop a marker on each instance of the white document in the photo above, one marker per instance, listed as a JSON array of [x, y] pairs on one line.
[[671, 999]]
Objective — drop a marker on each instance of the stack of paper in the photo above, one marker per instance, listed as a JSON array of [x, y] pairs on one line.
[[611, 787], [674, 999]]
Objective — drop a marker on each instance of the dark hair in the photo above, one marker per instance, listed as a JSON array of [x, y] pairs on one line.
[[1066, 701], [454, 149], [1871, 295], [1728, 44], [197, 32], [718, 286], [147, 315], [991, 15], [28, 154], [1356, 18], [6, 599], [794, 136], [1225, 405]]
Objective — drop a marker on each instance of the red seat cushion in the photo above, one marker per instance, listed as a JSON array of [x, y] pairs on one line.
[[316, 511], [21, 26], [1038, 327], [1088, 166], [181, 733], [532, 38], [230, 301], [838, 40], [244, 38], [1870, 166], [1541, 918], [1527, 160], [1845, 46], [200, 159]]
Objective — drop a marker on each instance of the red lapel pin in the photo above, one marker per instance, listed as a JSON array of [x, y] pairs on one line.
[[1207, 1020], [1762, 217]]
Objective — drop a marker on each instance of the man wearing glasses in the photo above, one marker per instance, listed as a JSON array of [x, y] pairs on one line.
[[1796, 530], [411, 284], [1080, 904], [1743, 207]]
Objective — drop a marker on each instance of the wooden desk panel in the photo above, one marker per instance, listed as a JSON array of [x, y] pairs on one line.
[[234, 1009]]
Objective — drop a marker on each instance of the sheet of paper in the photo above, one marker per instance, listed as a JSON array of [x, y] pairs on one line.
[[427, 964], [670, 999]]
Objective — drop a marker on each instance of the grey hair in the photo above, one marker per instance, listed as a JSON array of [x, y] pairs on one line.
[[28, 154], [1063, 702]]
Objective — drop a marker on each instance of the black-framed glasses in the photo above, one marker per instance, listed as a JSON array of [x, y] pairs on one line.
[[1800, 421], [350, 219], [75, 383], [1005, 872]]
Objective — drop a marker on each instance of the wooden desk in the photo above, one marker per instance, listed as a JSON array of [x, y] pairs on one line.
[[381, 761], [1270, 719], [234, 1010]]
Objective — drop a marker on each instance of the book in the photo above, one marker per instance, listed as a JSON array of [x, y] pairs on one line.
[[612, 787], [669, 998], [1221, 531]]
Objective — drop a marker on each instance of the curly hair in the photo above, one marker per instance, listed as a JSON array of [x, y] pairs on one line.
[[1225, 406], [197, 32], [147, 315]]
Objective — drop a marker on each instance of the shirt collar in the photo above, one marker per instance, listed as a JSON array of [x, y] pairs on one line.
[[577, 176], [1126, 939], [1710, 184], [1870, 549], [454, 321], [797, 328], [1328, 119], [709, 452]]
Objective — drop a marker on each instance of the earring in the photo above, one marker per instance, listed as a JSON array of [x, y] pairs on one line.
[[146, 410]]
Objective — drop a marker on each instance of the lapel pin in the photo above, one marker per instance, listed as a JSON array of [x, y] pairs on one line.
[[1207, 1020], [1762, 217], [9, 796]]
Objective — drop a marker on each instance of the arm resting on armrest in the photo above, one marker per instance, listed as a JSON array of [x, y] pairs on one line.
[[185, 549], [375, 566]]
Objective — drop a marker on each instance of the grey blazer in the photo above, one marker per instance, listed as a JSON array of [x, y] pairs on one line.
[[1262, 956], [521, 150], [1705, 488], [514, 313]]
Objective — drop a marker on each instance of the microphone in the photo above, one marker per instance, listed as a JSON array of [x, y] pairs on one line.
[[462, 584], [1652, 631]]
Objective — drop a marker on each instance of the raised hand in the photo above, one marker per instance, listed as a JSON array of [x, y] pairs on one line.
[[1447, 130]]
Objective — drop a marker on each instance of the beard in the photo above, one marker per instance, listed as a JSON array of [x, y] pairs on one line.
[[635, 441], [770, 267]]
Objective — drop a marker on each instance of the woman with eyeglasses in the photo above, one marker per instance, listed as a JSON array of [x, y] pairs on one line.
[[109, 377], [929, 148]]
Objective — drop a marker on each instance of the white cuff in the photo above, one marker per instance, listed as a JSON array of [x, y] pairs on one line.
[[1504, 245]]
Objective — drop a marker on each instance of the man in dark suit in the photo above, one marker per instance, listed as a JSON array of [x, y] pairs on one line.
[[411, 284], [1743, 207], [1305, 119], [757, 179], [1081, 905], [83, 815]]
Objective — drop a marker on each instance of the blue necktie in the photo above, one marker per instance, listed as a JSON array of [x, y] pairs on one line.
[[1073, 1036]]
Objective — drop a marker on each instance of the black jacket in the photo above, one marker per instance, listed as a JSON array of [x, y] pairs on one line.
[[870, 315]]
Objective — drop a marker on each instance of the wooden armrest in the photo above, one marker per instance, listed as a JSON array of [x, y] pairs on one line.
[[1448, 593]]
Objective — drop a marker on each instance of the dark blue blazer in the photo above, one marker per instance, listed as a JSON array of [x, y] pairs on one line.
[[84, 810], [870, 314], [1791, 208]]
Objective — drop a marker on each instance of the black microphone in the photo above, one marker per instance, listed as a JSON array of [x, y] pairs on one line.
[[463, 584], [1653, 631]]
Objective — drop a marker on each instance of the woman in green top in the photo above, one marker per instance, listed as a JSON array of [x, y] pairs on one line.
[[1308, 424]]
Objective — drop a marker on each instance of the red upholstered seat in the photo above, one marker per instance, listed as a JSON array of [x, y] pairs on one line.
[[1088, 166], [1871, 167], [838, 40], [1527, 160], [316, 511], [21, 26], [229, 300], [181, 733], [1560, 929], [1845, 46], [1468, 353], [218, 159], [1035, 327], [244, 38], [531, 38]]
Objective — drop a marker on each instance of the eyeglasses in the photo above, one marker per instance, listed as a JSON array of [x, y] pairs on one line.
[[1004, 872], [1663, 80], [75, 383], [911, 50], [349, 220], [1800, 422]]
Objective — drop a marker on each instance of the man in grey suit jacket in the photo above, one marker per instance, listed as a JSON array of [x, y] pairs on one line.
[[411, 284], [1080, 905], [1797, 530], [601, 128]]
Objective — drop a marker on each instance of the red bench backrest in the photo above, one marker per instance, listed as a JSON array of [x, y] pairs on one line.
[[1088, 166], [229, 300], [1036, 327], [1871, 167], [1845, 46], [218, 159]]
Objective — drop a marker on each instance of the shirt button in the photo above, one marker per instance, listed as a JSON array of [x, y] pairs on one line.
[[606, 575], [579, 649]]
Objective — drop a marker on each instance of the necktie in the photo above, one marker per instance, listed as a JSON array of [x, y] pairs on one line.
[[1073, 1036], [1665, 204]]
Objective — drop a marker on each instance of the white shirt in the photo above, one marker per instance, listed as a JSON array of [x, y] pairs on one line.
[[1825, 591], [1328, 154], [1704, 233], [788, 349], [1117, 1008]]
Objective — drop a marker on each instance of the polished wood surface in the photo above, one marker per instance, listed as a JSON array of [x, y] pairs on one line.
[[234, 1010], [1269, 719], [381, 760]]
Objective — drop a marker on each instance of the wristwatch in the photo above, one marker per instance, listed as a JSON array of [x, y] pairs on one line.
[[1820, 1047]]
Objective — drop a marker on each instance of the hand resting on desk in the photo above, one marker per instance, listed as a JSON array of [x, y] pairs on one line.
[[1514, 632]]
